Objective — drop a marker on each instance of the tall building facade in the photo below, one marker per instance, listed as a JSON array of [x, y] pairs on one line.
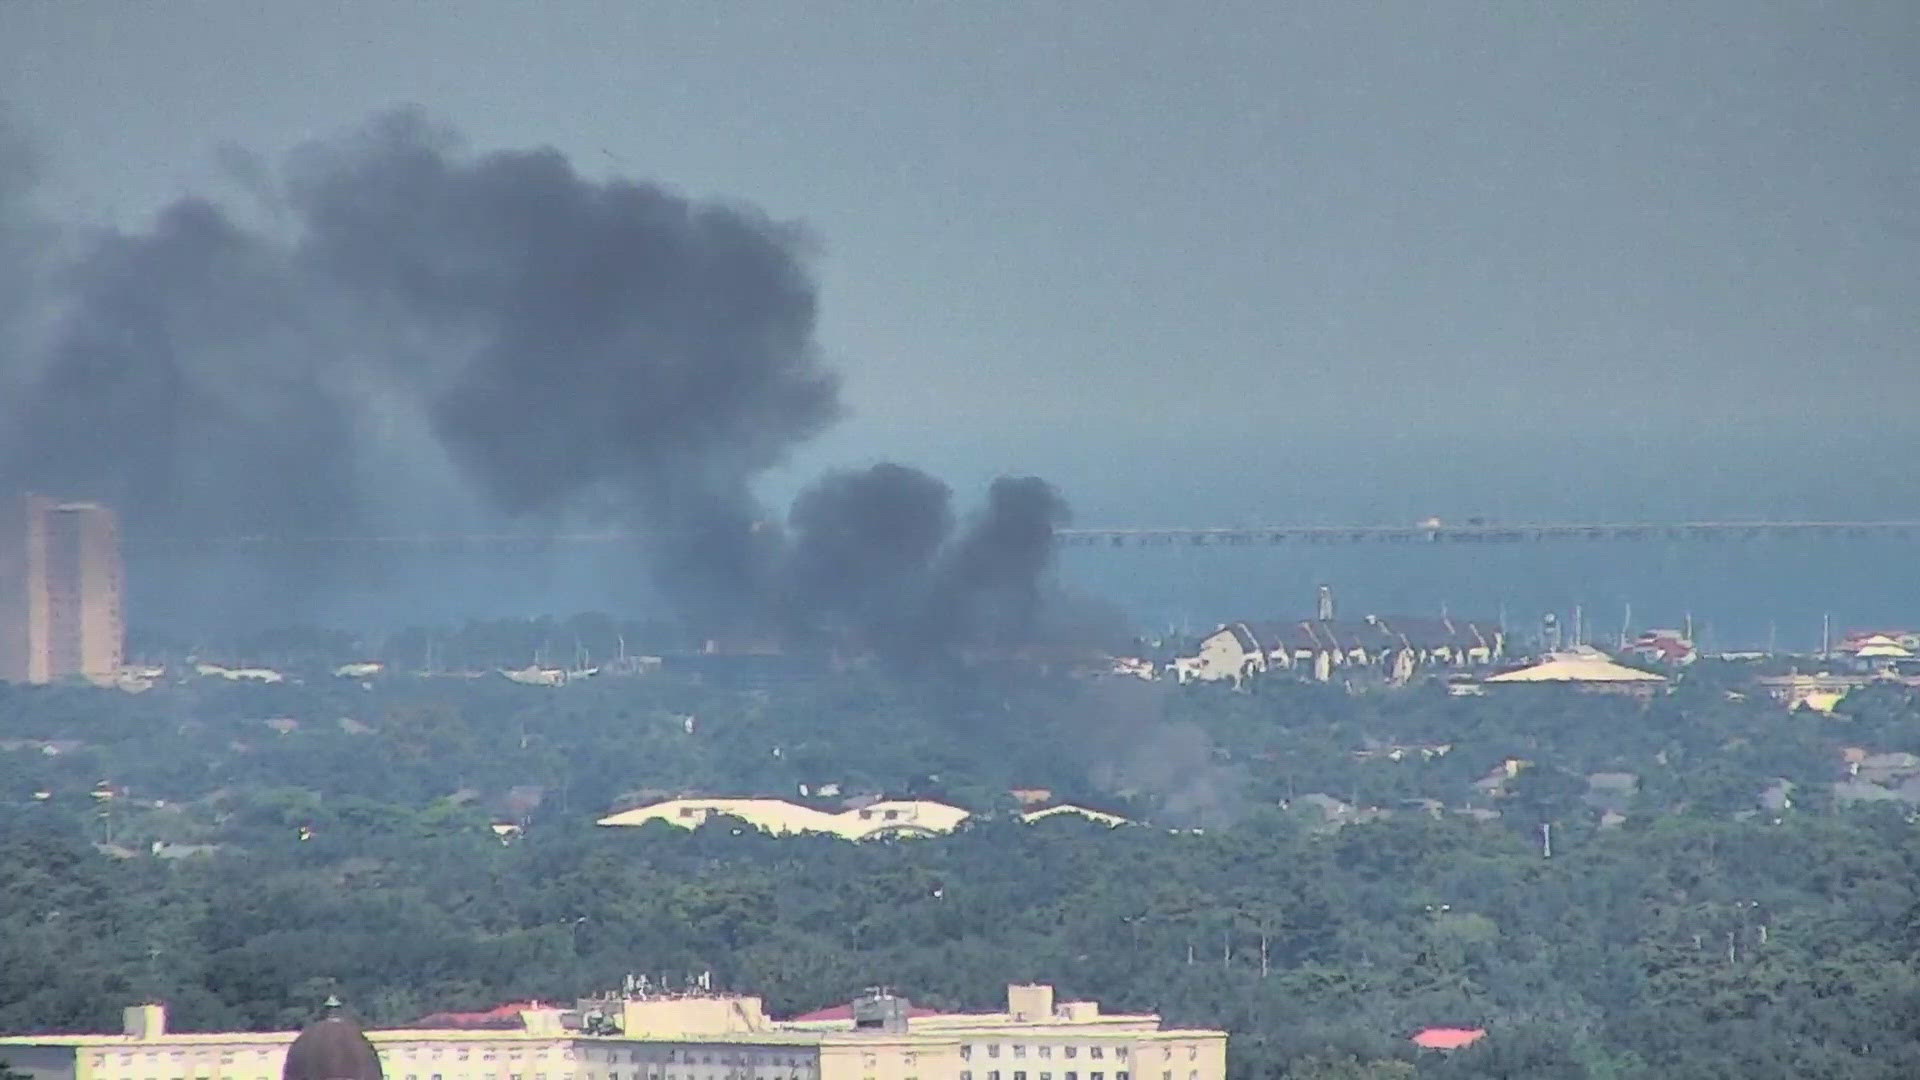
[[60, 591]]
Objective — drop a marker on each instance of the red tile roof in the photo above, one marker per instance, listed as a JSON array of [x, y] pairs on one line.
[[1440, 1038], [500, 1016]]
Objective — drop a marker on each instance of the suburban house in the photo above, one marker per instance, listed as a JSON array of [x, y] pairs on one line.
[[1671, 648], [1391, 647]]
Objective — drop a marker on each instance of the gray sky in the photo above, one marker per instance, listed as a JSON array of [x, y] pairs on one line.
[[1098, 240]]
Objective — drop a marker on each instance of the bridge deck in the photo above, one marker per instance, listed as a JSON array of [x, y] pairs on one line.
[[1686, 531]]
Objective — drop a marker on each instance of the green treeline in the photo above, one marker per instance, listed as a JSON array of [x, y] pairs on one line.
[[1701, 933]]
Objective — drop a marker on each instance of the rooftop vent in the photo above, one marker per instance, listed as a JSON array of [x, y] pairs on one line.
[[880, 1009]]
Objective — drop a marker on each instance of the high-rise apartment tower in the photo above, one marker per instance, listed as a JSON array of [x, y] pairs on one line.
[[60, 591]]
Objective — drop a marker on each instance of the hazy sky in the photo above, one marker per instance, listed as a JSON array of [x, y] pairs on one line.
[[1105, 240]]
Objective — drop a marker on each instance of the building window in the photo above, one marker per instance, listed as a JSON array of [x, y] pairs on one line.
[[1019, 1050], [1096, 1051], [1071, 1051], [1122, 1075], [1193, 1053], [993, 1049], [1046, 1051], [1120, 1052], [966, 1074], [966, 1052]]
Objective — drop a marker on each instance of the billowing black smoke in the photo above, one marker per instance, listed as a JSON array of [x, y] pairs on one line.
[[430, 340], [875, 558]]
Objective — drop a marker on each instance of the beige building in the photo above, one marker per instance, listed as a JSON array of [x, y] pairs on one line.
[[684, 1037], [1584, 668], [60, 591], [885, 819]]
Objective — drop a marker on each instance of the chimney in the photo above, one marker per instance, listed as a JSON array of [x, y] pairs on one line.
[[1031, 1003], [1325, 607], [148, 1021]]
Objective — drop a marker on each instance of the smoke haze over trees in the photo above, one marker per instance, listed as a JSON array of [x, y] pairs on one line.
[[424, 339]]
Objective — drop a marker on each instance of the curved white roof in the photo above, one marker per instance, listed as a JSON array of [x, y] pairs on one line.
[[1577, 667]]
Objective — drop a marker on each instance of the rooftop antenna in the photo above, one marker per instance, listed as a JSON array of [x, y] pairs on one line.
[[1324, 608], [1626, 622], [1826, 635], [1689, 626], [1579, 627]]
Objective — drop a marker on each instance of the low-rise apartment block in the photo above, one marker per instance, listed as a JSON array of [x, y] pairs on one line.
[[677, 1037]]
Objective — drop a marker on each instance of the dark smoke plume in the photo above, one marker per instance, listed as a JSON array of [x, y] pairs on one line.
[[1134, 750], [863, 544], [875, 559], [429, 340]]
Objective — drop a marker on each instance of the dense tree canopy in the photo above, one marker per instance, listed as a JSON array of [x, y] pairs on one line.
[[1680, 927]]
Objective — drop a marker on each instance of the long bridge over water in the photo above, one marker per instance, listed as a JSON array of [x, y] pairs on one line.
[[1429, 532]]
